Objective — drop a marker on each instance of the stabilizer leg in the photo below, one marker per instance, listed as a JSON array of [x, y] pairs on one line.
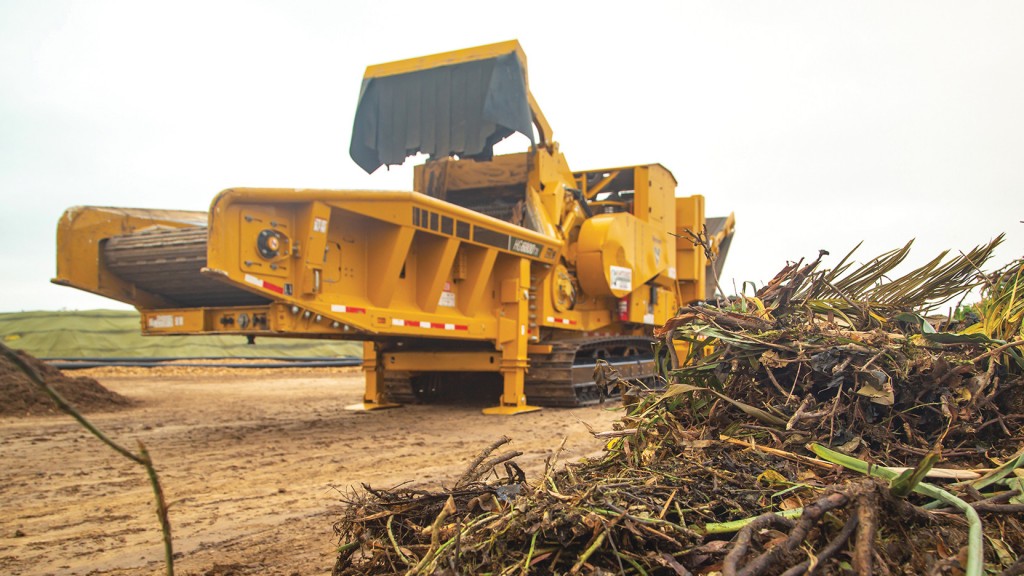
[[513, 396], [515, 285], [373, 395]]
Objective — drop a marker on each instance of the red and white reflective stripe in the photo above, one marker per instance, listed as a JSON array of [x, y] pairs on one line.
[[566, 321], [347, 309], [427, 325], [263, 284]]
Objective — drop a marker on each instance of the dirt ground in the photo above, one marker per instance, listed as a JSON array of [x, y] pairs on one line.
[[253, 462]]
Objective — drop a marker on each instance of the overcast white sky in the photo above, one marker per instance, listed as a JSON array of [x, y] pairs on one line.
[[819, 123]]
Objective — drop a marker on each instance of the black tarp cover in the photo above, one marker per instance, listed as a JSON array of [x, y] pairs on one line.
[[462, 109]]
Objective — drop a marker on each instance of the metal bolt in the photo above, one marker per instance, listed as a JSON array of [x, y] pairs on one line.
[[306, 315], [318, 318], [295, 309]]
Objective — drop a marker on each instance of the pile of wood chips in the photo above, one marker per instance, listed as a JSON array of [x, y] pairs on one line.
[[20, 397]]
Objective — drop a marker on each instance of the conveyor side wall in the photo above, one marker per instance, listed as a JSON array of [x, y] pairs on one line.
[[82, 233]]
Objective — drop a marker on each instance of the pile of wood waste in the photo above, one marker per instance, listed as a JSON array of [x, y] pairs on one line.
[[831, 423], [19, 396]]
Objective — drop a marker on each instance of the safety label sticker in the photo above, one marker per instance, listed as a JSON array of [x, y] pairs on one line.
[[166, 321], [447, 299], [620, 278]]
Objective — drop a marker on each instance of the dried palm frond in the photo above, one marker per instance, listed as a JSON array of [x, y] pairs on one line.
[[935, 283], [861, 298], [859, 283]]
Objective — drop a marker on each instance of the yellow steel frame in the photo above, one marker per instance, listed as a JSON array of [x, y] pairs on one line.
[[452, 361], [404, 299], [591, 191], [691, 262]]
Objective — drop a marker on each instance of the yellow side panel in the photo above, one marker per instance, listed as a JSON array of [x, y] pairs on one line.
[[607, 258], [387, 263], [619, 253], [661, 189], [254, 220], [81, 233], [691, 264]]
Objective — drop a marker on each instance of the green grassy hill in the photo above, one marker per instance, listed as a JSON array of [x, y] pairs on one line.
[[116, 334]]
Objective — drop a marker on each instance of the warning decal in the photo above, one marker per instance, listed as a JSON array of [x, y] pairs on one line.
[[620, 278]]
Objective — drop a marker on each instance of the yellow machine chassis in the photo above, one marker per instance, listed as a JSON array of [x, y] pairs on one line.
[[577, 255]]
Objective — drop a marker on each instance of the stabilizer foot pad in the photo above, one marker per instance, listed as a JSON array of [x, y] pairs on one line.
[[511, 410], [370, 406]]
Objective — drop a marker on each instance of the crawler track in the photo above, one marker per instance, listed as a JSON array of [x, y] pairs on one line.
[[565, 377], [562, 378]]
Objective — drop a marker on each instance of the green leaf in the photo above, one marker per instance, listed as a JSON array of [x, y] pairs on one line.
[[1006, 557], [1015, 461], [1016, 484], [946, 338], [677, 389], [916, 320], [904, 484]]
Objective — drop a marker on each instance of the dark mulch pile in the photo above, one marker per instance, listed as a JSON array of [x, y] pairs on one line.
[[20, 397]]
